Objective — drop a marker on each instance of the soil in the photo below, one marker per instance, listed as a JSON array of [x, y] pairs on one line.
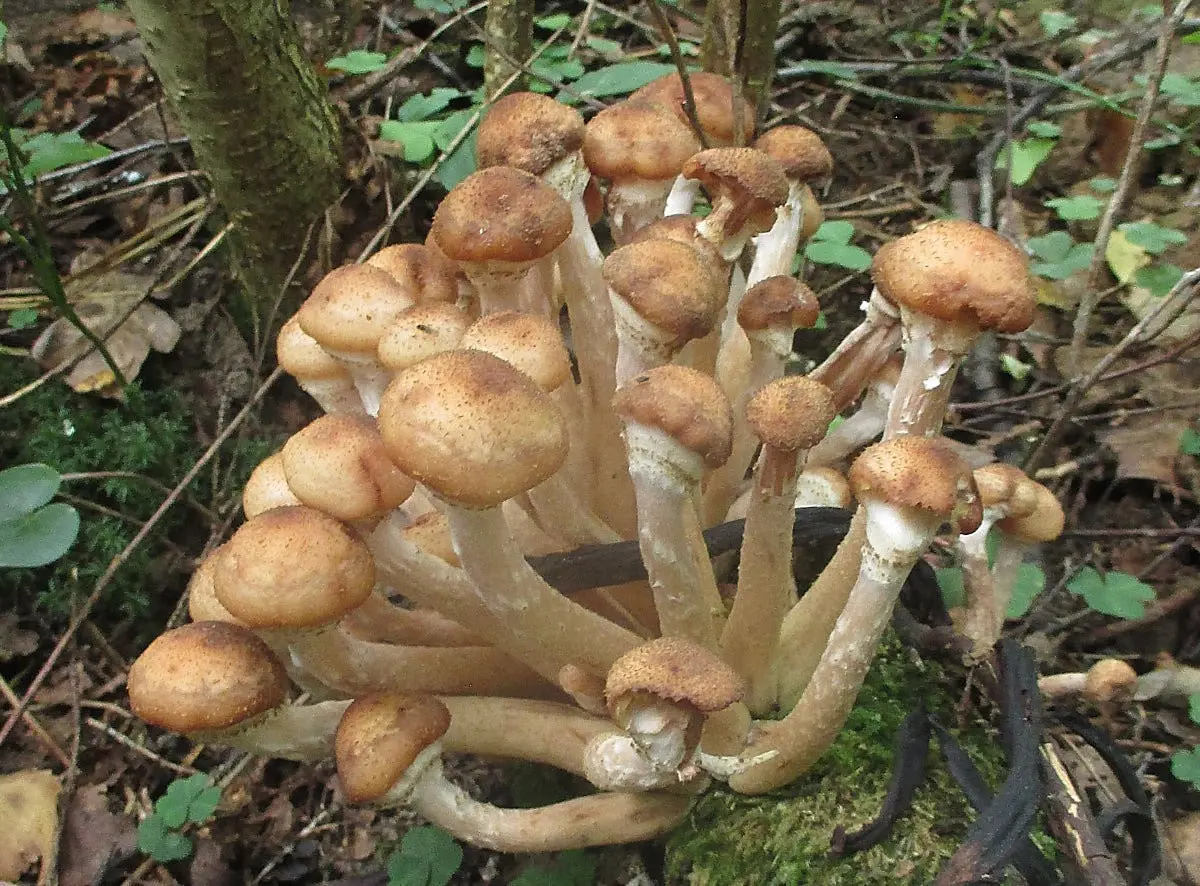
[[905, 148]]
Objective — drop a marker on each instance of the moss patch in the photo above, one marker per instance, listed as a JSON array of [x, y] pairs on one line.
[[783, 837]]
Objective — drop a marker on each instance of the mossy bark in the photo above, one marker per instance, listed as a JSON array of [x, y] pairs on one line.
[[259, 120], [739, 41], [509, 31]]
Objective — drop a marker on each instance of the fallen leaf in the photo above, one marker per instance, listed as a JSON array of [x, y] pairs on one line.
[[1140, 301], [15, 642], [29, 811], [1148, 450], [93, 838], [1124, 257], [1181, 849]]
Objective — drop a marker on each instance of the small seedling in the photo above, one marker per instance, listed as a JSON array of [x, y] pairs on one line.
[[191, 800], [427, 856], [357, 61], [33, 530], [1117, 593], [1028, 153], [830, 245], [22, 318], [1059, 256], [1185, 765]]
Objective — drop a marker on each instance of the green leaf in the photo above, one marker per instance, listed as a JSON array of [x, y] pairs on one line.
[[461, 161], [160, 842], [950, 580], [1029, 583], [1052, 247], [39, 538], [824, 252], [22, 318], [619, 79], [357, 61], [1014, 367], [1189, 442], [1159, 279], [553, 22], [49, 151], [1027, 154], [25, 488], [1194, 708], [831, 69], [476, 55], [610, 49], [1103, 184], [1185, 766], [840, 231], [1116, 594], [1080, 208], [3, 33], [571, 868], [1044, 129], [427, 856], [1181, 89], [417, 138], [193, 799], [1060, 255], [1055, 21], [422, 107], [1151, 237]]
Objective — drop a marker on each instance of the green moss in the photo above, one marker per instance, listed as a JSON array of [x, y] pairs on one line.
[[783, 838]]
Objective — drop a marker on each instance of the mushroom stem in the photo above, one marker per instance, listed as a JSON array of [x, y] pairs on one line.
[[300, 732], [862, 352], [775, 250], [380, 621], [933, 351]]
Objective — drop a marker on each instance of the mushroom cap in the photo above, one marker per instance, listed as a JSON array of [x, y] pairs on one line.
[[667, 283], [338, 465], [471, 427], [778, 302], [959, 272], [799, 151], [921, 473], [1044, 522], [752, 180], [814, 215], [267, 488], [421, 332], [1109, 680], [293, 568], [823, 487], [426, 275], [530, 342], [676, 670], [351, 307], [714, 103], [380, 737], [637, 141], [303, 358], [500, 214], [430, 532], [684, 404], [682, 229], [205, 676], [203, 604], [1006, 485], [528, 131], [791, 413]]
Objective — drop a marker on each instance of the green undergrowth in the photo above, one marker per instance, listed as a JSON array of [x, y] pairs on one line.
[[783, 837], [152, 435]]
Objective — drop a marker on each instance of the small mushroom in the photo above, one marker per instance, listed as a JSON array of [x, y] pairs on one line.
[[322, 377]]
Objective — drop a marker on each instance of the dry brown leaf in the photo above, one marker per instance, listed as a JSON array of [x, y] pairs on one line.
[[15, 642], [1147, 450], [1181, 849], [29, 812], [93, 838]]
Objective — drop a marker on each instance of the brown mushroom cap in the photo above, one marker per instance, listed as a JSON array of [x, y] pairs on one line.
[[430, 532], [1109, 681], [1007, 485], [751, 179], [303, 358], [776, 302], [426, 275], [338, 465], [669, 284], [528, 131], [500, 214], [421, 332], [682, 229], [351, 307], [205, 676], [637, 141], [267, 488], [920, 473], [1043, 523], [530, 342], [676, 670], [203, 604], [791, 413], [799, 151], [380, 737], [714, 103], [293, 568], [472, 428], [684, 404], [960, 272]]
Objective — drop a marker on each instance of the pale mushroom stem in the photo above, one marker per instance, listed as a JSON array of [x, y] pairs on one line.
[[499, 290], [586, 294], [766, 587], [682, 197], [815, 721], [984, 617], [369, 380], [634, 205], [862, 352], [855, 432], [775, 250], [933, 351], [299, 732], [596, 820], [378, 620]]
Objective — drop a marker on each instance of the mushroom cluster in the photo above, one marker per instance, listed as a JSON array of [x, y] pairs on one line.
[[505, 391]]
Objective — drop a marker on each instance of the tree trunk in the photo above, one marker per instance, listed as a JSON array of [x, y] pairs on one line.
[[259, 119], [509, 32]]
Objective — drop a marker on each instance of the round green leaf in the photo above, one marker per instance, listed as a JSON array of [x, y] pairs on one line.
[[26, 488], [38, 538]]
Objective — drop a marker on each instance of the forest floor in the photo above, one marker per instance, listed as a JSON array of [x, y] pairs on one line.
[[909, 125]]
